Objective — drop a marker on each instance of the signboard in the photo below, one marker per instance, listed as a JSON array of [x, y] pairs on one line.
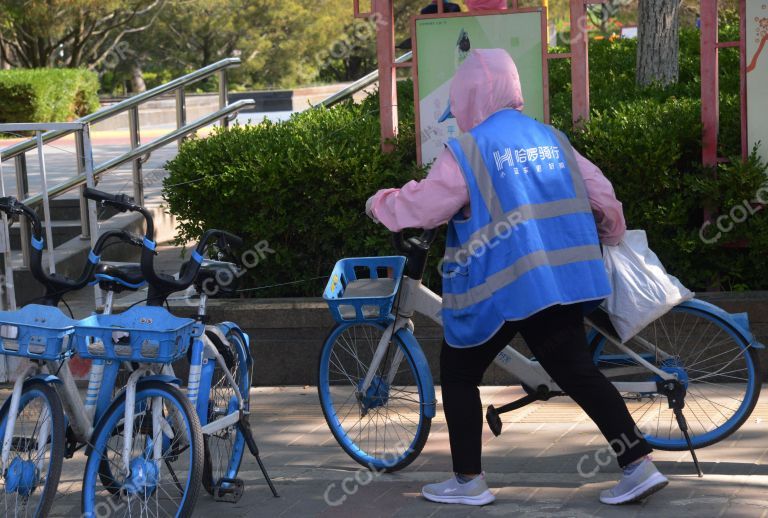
[[757, 75], [442, 42]]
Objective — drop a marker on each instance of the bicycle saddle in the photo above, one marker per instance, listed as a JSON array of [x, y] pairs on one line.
[[216, 278], [119, 277]]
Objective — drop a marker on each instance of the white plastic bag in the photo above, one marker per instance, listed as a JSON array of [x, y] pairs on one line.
[[642, 289]]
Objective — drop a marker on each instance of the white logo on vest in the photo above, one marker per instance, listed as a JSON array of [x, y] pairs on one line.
[[539, 158]]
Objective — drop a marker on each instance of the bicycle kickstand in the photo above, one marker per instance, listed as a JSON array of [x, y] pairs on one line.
[[675, 392], [245, 427]]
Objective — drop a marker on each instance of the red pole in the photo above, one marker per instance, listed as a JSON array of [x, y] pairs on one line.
[[710, 112], [579, 62], [385, 50], [743, 76]]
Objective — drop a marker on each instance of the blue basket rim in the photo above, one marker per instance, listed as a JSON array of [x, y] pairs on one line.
[[401, 259], [25, 315], [168, 322]]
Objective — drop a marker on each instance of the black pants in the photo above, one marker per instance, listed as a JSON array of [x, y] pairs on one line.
[[557, 339]]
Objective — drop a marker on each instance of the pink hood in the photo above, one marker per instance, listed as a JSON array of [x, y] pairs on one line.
[[479, 5], [486, 82]]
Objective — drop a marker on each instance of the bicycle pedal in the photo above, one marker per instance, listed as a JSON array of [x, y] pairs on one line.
[[493, 419], [231, 493]]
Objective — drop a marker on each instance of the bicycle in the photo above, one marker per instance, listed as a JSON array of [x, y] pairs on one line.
[[63, 422], [219, 359], [377, 394]]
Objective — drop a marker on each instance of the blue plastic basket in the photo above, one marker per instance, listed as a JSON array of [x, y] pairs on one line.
[[144, 334], [36, 331], [363, 289]]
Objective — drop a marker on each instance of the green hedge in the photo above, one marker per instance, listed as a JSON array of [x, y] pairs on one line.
[[47, 95], [301, 185]]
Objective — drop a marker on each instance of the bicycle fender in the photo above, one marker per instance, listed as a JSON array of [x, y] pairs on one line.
[[45, 378], [231, 327], [48, 379], [165, 378], [422, 367], [739, 322]]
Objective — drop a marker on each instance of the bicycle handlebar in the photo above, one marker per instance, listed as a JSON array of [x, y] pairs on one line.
[[164, 284], [416, 250], [405, 246], [56, 285]]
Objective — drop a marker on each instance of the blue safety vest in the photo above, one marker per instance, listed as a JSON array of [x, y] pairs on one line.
[[530, 241]]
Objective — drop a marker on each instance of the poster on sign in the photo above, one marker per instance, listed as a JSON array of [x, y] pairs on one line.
[[442, 42], [757, 75]]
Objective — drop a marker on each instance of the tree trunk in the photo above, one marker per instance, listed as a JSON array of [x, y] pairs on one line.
[[658, 42], [137, 79]]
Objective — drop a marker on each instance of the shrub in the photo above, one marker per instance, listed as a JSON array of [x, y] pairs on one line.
[[47, 95], [300, 185], [651, 152]]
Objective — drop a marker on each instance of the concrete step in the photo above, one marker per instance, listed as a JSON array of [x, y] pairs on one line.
[[65, 222], [62, 231], [72, 254]]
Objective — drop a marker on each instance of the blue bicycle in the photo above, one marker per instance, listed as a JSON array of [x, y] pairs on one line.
[[45, 420], [220, 362], [690, 379]]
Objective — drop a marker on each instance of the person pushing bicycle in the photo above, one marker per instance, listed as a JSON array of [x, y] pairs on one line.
[[526, 215]]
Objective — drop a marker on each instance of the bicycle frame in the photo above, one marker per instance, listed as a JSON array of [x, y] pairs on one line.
[[201, 368], [414, 297]]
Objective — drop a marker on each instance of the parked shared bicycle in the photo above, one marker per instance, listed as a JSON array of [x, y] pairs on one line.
[[220, 362], [690, 379], [46, 420]]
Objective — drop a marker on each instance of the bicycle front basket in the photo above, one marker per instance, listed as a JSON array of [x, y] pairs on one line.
[[144, 334], [36, 331], [363, 289]]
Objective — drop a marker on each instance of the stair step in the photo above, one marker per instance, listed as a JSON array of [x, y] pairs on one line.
[[69, 209], [62, 232]]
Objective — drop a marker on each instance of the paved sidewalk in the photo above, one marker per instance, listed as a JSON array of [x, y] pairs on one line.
[[532, 468]]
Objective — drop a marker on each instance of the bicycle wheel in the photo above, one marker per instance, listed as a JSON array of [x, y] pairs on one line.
[[30, 479], [167, 487], [384, 429], [719, 370], [224, 449]]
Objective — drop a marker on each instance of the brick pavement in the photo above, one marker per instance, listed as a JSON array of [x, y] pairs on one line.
[[531, 468]]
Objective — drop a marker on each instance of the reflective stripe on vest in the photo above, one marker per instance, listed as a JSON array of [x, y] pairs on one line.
[[523, 212], [546, 239]]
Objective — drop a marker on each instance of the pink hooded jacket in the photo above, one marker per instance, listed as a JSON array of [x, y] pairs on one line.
[[486, 82], [480, 5]]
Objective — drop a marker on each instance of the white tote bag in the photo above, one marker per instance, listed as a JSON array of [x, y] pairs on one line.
[[642, 289]]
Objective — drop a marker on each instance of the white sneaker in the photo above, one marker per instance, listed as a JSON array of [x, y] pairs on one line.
[[644, 480], [474, 492]]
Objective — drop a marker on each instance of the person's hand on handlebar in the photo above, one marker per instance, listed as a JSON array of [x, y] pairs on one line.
[[369, 209]]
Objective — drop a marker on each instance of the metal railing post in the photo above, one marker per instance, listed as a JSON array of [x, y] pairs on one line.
[[85, 229], [181, 108], [48, 218], [22, 191], [90, 181], [7, 255], [138, 179], [223, 94]]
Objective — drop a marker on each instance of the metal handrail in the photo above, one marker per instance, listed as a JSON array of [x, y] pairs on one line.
[[366, 80], [87, 171], [131, 102], [143, 150]]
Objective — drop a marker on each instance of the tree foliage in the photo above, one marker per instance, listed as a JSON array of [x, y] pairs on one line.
[[69, 33]]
